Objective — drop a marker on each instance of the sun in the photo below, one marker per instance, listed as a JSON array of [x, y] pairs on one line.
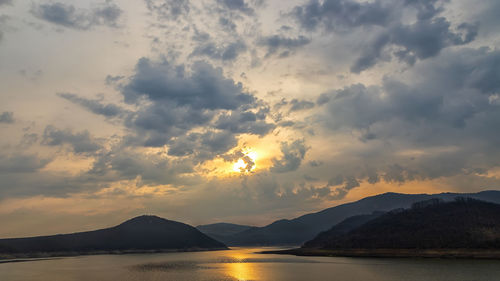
[[246, 163]]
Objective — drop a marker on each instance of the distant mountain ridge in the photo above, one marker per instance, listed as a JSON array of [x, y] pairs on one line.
[[141, 233], [342, 228], [461, 224], [301, 229], [219, 231]]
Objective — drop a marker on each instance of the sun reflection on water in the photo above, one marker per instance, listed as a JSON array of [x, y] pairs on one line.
[[240, 269]]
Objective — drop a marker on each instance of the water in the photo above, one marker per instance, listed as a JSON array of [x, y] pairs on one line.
[[245, 264]]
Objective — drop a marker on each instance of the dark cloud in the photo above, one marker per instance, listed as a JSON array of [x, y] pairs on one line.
[[182, 100], [293, 154], [204, 87], [202, 146], [345, 184], [237, 5], [341, 14], [126, 163], [67, 15], [7, 117], [225, 52], [283, 45], [168, 9], [297, 105], [80, 142], [422, 39], [243, 122], [227, 24], [5, 2], [95, 106], [430, 125], [173, 102], [218, 142], [21, 163], [157, 123], [322, 99], [449, 93]]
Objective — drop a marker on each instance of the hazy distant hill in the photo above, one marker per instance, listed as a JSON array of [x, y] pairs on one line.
[[221, 230], [140, 233], [340, 229], [306, 227], [462, 224]]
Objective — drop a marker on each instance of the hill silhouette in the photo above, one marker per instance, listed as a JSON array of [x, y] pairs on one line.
[[138, 234], [220, 231], [461, 224], [340, 229], [299, 230]]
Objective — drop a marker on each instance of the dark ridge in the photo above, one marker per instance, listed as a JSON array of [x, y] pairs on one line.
[[297, 231], [464, 223], [141, 233], [340, 229], [219, 231]]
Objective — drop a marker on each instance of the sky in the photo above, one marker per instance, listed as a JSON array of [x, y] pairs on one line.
[[242, 111]]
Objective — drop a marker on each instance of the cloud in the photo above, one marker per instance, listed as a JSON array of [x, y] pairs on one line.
[[240, 122], [347, 183], [421, 40], [110, 80], [168, 9], [5, 2], [293, 154], [449, 97], [237, 5], [387, 21], [204, 87], [122, 162], [202, 146], [227, 24], [284, 45], [339, 14], [94, 106], [79, 142], [7, 117], [21, 163], [298, 105], [425, 127], [181, 99], [67, 15], [227, 52]]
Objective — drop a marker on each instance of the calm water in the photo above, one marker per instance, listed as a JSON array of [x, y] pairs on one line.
[[244, 264]]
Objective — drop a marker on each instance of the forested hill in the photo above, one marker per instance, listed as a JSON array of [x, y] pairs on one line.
[[461, 224]]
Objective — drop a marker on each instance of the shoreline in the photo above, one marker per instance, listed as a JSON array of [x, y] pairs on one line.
[[22, 257], [394, 253]]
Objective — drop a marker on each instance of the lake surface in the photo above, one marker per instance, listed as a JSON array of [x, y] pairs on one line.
[[245, 264]]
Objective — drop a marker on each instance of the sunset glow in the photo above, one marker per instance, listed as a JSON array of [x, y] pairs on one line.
[[247, 163], [270, 109]]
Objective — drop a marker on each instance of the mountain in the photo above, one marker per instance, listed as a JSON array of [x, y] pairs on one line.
[[340, 229], [461, 224], [143, 233], [306, 227], [221, 230]]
